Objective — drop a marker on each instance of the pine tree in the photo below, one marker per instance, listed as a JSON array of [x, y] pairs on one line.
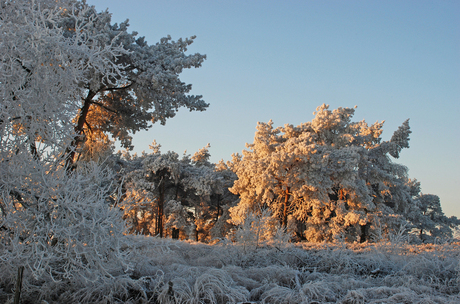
[[169, 192], [109, 80], [334, 176], [431, 220], [147, 189]]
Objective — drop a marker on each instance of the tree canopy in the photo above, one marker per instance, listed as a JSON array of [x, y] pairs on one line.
[[332, 175], [69, 60], [165, 191]]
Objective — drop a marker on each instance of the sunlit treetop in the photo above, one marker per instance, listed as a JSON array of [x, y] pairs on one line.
[[329, 170]]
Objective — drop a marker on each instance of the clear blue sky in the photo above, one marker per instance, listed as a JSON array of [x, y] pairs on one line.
[[279, 60]]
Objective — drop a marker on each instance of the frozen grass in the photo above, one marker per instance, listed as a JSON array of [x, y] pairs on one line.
[[167, 271]]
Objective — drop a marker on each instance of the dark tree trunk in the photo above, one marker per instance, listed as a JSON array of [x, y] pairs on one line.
[[175, 233], [71, 151], [33, 150], [364, 233], [196, 226]]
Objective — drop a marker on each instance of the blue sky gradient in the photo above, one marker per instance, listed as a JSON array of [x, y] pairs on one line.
[[279, 60]]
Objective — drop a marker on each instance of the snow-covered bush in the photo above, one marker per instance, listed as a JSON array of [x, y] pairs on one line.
[[258, 229], [65, 229]]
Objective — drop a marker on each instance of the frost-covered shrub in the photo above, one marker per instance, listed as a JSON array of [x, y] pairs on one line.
[[255, 229], [64, 229], [300, 273], [258, 229]]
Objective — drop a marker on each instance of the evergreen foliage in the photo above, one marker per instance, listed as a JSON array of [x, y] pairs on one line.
[[335, 177], [189, 194]]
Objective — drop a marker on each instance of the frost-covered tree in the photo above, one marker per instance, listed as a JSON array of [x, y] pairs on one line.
[[147, 189], [62, 227], [223, 200], [119, 83], [205, 186], [431, 220], [146, 90], [165, 191], [334, 176], [42, 70]]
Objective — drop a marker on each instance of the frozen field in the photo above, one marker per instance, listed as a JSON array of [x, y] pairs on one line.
[[179, 272], [168, 271]]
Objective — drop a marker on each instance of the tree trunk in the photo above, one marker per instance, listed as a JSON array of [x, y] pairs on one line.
[[218, 207], [17, 291], [33, 150], [364, 233], [70, 151], [175, 233]]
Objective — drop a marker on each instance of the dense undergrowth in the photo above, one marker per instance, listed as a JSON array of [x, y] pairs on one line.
[[167, 271]]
